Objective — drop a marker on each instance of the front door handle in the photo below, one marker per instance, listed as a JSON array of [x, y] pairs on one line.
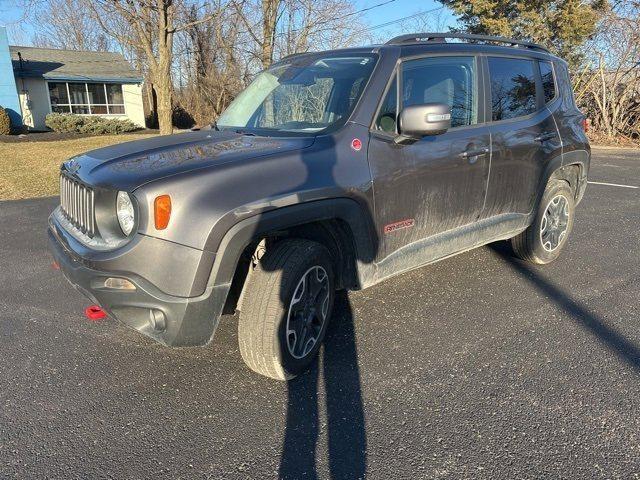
[[545, 136], [473, 154]]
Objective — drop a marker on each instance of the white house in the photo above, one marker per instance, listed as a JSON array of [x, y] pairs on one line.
[[70, 81]]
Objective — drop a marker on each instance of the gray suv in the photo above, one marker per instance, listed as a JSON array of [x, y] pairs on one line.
[[332, 170]]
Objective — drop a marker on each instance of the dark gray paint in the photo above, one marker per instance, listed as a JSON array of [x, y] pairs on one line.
[[462, 189]]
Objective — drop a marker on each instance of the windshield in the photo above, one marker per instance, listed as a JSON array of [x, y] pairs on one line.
[[306, 95]]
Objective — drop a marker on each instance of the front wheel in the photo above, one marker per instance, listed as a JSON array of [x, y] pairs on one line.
[[288, 303], [545, 238]]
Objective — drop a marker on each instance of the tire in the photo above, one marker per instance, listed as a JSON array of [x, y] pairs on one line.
[[544, 239], [273, 322]]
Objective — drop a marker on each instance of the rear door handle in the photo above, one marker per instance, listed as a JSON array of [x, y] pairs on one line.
[[544, 137], [473, 155]]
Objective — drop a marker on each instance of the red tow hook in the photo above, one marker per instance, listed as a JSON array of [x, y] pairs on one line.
[[94, 312]]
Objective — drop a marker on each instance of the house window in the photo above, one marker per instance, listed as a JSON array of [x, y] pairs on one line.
[[86, 98]]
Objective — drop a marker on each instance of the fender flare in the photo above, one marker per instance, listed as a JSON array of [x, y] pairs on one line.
[[580, 158], [238, 237]]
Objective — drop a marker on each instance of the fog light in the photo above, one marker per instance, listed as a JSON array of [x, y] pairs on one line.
[[119, 284]]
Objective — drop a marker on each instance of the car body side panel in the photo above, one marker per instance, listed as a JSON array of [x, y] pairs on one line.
[[568, 117], [330, 168], [428, 184], [575, 143], [522, 147]]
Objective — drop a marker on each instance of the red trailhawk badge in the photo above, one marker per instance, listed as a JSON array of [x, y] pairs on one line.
[[392, 227]]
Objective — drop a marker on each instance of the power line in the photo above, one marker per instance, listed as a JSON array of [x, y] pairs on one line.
[[398, 20], [368, 8], [350, 14]]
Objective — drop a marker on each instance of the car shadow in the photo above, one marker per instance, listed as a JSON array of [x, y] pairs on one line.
[[623, 348], [345, 424]]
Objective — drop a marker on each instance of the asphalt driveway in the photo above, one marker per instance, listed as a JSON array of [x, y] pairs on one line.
[[479, 366]]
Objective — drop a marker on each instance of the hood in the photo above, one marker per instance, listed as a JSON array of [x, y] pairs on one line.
[[127, 166]]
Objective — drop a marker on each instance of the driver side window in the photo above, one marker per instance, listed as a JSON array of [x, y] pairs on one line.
[[448, 80]]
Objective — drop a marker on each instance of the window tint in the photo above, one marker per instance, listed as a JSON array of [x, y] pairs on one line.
[[386, 120], [449, 80], [513, 87], [548, 84]]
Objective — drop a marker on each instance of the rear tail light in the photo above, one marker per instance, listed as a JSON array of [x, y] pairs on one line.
[[162, 211], [585, 124]]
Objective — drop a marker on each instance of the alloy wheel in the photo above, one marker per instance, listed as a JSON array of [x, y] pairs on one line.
[[555, 222], [308, 312]]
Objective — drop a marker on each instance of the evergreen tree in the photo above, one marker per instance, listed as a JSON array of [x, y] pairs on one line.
[[562, 25]]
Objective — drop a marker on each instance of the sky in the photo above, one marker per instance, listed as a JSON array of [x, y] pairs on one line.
[[379, 17]]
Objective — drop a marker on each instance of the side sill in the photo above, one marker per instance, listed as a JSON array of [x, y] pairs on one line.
[[438, 247]]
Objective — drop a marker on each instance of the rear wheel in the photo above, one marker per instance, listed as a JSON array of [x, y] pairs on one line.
[[545, 238], [288, 303]]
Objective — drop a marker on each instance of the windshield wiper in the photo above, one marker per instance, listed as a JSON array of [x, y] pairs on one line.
[[244, 132]]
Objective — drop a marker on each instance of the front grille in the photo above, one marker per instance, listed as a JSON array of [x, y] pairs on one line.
[[77, 202]]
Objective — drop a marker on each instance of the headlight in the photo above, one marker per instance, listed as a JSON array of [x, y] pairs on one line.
[[125, 212]]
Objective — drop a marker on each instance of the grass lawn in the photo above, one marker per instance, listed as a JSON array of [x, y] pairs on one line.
[[30, 169]]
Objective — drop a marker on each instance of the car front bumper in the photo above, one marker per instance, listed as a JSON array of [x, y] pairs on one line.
[[170, 319]]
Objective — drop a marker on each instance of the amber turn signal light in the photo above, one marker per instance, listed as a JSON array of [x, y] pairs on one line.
[[162, 211]]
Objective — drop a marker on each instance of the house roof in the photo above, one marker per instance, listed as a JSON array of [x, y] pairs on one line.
[[55, 64]]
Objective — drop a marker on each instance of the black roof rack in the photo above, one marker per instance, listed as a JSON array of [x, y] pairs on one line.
[[441, 37]]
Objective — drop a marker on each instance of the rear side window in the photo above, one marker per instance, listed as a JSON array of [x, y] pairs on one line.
[[513, 87], [448, 80], [548, 82]]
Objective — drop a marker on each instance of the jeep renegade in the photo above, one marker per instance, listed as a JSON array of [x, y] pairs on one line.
[[332, 170]]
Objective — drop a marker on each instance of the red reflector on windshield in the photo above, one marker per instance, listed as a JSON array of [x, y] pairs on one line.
[[94, 312]]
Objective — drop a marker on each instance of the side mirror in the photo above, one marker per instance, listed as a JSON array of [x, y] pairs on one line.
[[417, 121]]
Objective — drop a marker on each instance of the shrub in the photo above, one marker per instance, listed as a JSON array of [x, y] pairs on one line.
[[181, 118], [5, 122], [68, 123]]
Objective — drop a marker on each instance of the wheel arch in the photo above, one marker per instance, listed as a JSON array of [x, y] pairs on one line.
[[343, 225], [572, 167]]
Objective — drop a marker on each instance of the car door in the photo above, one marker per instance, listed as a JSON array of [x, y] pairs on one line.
[[524, 135], [437, 183]]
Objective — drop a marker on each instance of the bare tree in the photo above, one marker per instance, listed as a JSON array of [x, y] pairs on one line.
[[283, 27], [68, 24], [219, 45], [260, 18], [318, 25], [216, 63], [608, 85], [152, 25]]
